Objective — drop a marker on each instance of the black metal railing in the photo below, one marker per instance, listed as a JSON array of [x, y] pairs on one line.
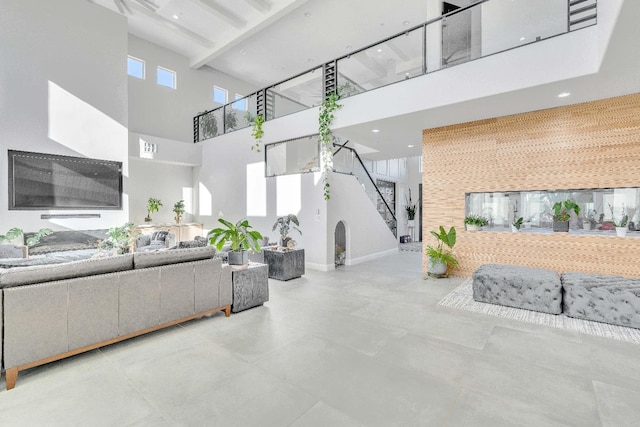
[[439, 43]]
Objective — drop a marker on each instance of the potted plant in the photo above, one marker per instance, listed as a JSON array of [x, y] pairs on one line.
[[284, 224], [621, 226], [475, 222], [562, 214], [120, 240], [411, 211], [516, 224], [241, 238], [178, 209], [153, 205], [590, 220], [15, 236], [440, 258]]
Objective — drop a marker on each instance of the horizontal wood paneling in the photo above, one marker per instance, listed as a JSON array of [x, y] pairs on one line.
[[590, 145]]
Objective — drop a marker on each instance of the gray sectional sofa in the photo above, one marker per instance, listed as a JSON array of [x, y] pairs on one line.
[[49, 312]]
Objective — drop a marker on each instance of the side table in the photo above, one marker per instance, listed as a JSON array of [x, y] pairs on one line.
[[250, 286], [284, 265]]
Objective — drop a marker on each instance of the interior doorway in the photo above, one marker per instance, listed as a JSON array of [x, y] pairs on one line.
[[340, 244]]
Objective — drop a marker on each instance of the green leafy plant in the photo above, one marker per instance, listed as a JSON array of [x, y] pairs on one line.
[[120, 239], [153, 205], [410, 208], [208, 125], [327, 109], [518, 223], [239, 235], [230, 120], [591, 217], [18, 232], [623, 222], [562, 210], [257, 131], [477, 220], [284, 223], [439, 252], [178, 209]]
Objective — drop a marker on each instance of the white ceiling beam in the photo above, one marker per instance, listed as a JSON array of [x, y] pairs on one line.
[[259, 5], [224, 14], [202, 41], [252, 28]]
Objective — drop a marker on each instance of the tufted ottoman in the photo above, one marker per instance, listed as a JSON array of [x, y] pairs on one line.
[[534, 289], [608, 299]]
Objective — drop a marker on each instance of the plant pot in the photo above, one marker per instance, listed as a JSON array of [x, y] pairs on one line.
[[238, 257], [410, 223], [147, 219], [562, 226], [621, 231], [586, 226], [514, 229], [436, 267], [472, 227]]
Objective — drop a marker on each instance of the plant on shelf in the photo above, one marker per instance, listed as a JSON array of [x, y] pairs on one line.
[[410, 207], [562, 214], [257, 131], [153, 205], [284, 224], [516, 224], [590, 220], [240, 236], [208, 125], [178, 209], [17, 233], [475, 222], [441, 258], [119, 239], [621, 226]]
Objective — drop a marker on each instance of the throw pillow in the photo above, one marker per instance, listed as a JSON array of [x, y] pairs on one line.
[[159, 235]]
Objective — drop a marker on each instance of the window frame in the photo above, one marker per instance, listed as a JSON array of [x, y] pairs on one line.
[[226, 94], [142, 62], [173, 73]]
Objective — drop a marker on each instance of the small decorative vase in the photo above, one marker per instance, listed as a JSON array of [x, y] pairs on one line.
[[586, 226], [621, 231]]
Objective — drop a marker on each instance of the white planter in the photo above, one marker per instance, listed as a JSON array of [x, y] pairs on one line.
[[621, 231], [514, 229], [410, 222], [436, 267], [586, 226], [471, 227]]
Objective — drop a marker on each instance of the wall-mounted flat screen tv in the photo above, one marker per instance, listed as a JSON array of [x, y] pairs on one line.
[[49, 181]]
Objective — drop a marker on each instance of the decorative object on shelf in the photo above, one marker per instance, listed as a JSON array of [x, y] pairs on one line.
[[284, 224], [153, 205], [257, 131], [590, 222], [516, 224], [241, 238], [16, 235], [178, 209], [562, 214], [440, 259], [208, 125], [475, 222], [621, 226], [120, 240]]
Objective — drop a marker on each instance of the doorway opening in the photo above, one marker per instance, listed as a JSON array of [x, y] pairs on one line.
[[340, 244]]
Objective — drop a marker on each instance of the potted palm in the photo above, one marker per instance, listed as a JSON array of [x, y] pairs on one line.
[[153, 205], [241, 238], [562, 214], [441, 258], [475, 222], [178, 209], [284, 224]]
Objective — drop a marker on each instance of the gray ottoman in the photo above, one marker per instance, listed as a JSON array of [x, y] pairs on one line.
[[250, 286], [534, 289], [607, 299]]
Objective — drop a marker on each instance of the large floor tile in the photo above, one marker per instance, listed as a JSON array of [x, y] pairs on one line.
[[322, 415], [619, 407]]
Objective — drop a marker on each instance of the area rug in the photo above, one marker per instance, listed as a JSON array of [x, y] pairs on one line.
[[462, 298]]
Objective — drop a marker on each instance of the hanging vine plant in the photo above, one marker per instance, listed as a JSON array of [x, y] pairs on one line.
[[325, 119], [257, 132]]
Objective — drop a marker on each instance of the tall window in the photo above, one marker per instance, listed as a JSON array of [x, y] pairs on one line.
[[240, 103], [135, 67], [166, 77], [220, 95]]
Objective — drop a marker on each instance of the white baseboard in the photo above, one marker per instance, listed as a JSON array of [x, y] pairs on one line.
[[354, 261], [319, 267]]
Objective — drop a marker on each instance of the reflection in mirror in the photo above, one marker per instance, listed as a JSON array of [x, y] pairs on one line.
[[299, 155]]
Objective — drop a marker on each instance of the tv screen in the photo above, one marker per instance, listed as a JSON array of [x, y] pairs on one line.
[[50, 181]]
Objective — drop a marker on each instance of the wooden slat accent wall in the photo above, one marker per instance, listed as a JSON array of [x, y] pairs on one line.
[[590, 145]]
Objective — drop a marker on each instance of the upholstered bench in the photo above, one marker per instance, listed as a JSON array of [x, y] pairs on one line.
[[534, 289], [608, 299]]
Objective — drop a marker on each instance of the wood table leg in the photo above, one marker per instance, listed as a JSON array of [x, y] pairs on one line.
[[11, 376], [227, 311]]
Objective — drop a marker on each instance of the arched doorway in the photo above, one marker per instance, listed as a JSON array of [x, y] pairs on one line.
[[340, 244]]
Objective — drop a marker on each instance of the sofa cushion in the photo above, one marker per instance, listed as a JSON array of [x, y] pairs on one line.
[[164, 257], [47, 273], [198, 242]]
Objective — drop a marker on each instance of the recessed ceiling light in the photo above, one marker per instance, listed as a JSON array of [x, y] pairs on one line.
[[175, 16], [375, 130], [244, 52], [522, 39], [405, 23], [410, 145], [348, 47], [379, 50], [309, 60], [307, 14], [563, 94]]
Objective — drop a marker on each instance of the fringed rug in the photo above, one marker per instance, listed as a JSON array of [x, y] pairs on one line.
[[462, 298]]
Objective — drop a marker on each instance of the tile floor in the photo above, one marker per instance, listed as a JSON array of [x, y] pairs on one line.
[[361, 346]]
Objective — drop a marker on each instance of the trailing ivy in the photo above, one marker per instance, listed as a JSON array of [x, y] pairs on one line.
[[257, 132], [325, 119]]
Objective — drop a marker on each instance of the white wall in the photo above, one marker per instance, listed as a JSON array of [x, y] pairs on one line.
[[63, 90], [168, 113], [167, 182]]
